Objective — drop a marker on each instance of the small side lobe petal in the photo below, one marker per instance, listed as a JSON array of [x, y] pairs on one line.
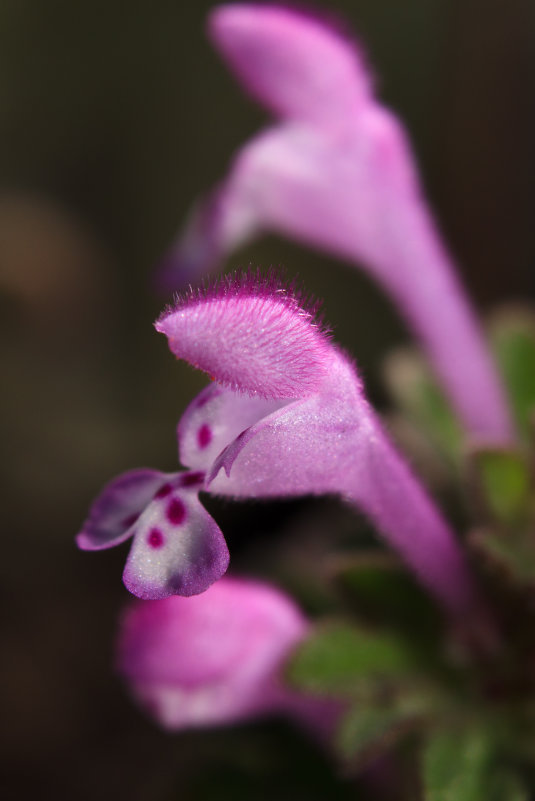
[[213, 420], [178, 548], [293, 63], [118, 507], [250, 334]]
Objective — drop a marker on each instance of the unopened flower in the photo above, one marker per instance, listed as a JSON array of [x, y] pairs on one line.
[[337, 172], [217, 657]]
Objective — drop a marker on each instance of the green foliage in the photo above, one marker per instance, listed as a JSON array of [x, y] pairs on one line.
[[503, 484], [341, 659], [372, 726], [509, 559], [503, 785], [368, 730], [513, 339], [501, 488], [462, 765], [455, 766], [382, 591], [417, 394]]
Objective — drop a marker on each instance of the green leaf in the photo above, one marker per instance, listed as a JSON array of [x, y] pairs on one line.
[[367, 731], [513, 339], [455, 766], [504, 483], [505, 786], [512, 558], [416, 391], [341, 659], [382, 591]]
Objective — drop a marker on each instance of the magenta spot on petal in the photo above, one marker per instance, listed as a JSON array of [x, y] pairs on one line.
[[204, 436], [190, 479], [163, 491], [176, 512], [155, 538], [130, 520]]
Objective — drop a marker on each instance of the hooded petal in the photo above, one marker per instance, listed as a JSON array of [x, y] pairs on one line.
[[115, 511], [178, 548], [211, 659], [287, 357], [294, 64]]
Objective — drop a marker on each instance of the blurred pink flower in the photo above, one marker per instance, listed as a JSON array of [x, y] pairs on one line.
[[337, 172], [216, 658]]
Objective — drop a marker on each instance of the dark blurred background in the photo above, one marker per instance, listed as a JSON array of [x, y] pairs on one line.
[[113, 118]]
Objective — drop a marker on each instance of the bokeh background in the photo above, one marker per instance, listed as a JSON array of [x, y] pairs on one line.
[[113, 118]]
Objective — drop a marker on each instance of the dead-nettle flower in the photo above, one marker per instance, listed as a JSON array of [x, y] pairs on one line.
[[337, 172], [217, 657], [286, 415]]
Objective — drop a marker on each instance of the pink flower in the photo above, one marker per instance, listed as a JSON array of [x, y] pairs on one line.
[[215, 658], [286, 415], [337, 172]]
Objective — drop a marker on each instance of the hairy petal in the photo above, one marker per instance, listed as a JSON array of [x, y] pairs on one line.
[[115, 511], [293, 64], [210, 659], [178, 548], [266, 344]]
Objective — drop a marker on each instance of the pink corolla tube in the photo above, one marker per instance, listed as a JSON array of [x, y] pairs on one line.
[[286, 415], [217, 658], [337, 172]]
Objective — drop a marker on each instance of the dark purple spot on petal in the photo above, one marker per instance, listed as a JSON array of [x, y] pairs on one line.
[[130, 520], [163, 491], [155, 538], [190, 479], [176, 512], [204, 436]]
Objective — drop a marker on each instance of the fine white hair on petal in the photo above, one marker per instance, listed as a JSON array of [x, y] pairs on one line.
[[253, 335]]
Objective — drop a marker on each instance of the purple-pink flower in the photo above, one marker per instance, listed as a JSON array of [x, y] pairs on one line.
[[217, 657], [337, 172], [286, 415]]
